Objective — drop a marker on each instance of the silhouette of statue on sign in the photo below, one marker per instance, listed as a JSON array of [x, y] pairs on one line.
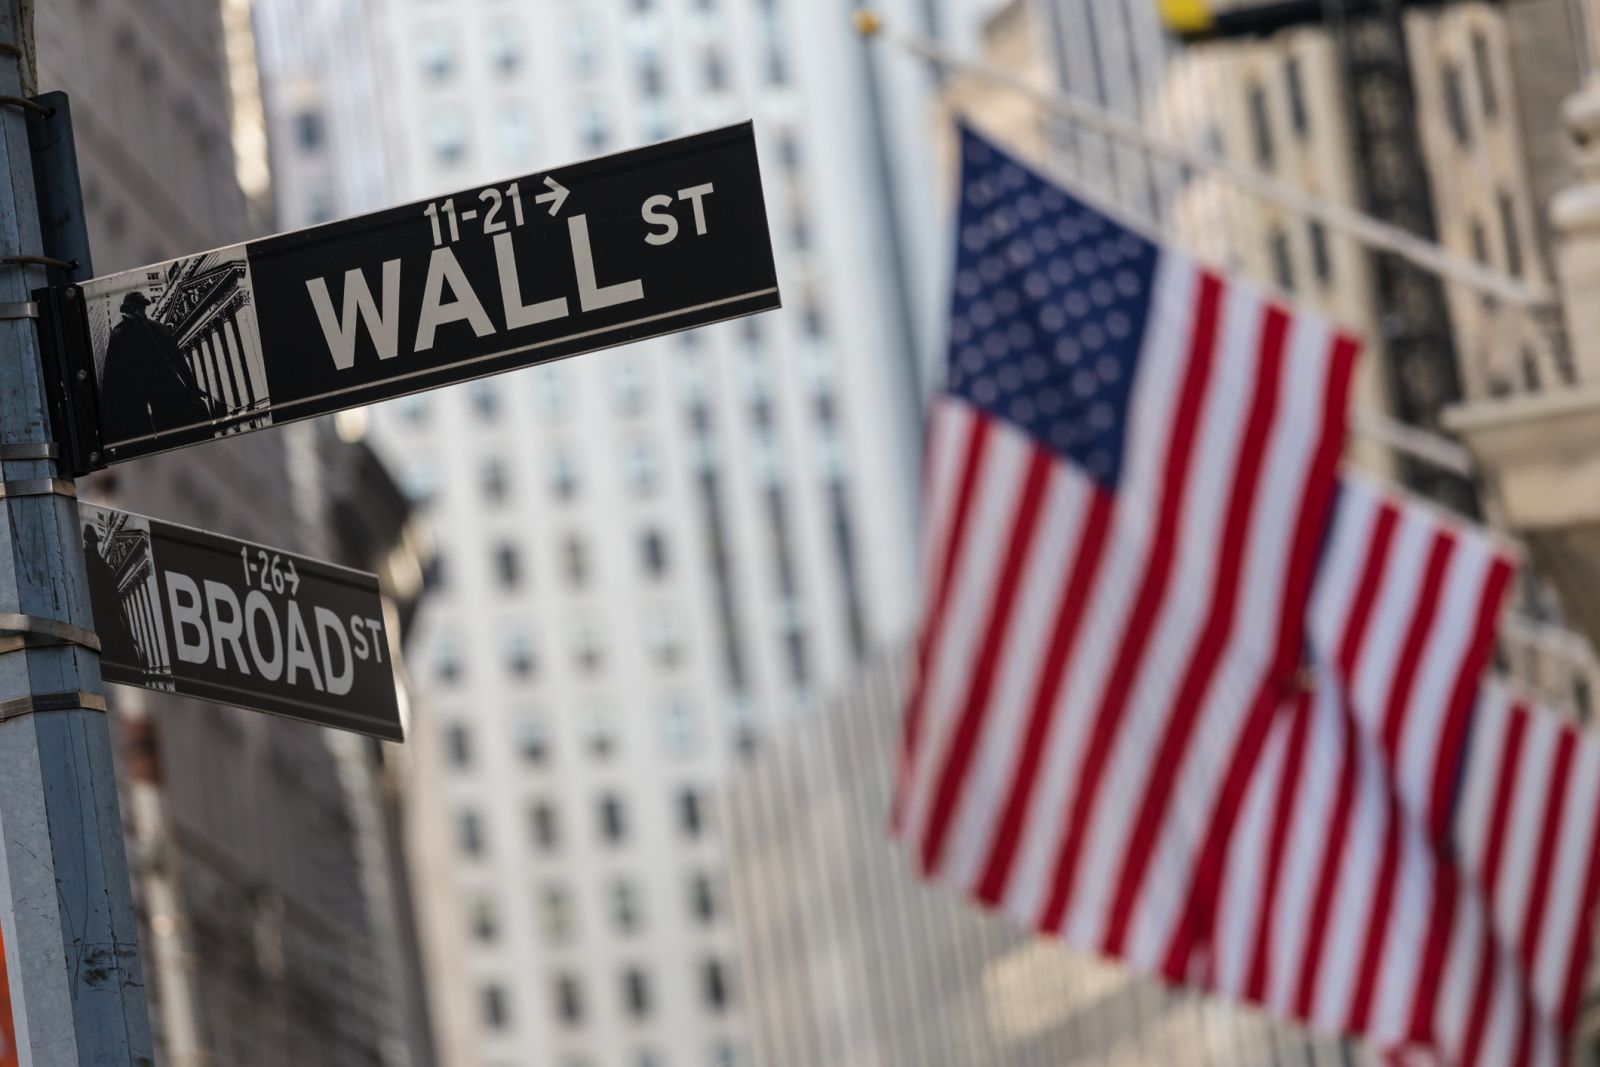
[[116, 637], [147, 385]]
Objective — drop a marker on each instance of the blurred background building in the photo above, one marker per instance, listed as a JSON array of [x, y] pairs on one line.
[[273, 927]]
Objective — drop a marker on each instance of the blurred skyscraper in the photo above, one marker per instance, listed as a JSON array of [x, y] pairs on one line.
[[260, 863], [646, 556]]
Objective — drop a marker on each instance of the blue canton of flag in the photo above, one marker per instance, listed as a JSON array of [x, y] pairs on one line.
[[1049, 309]]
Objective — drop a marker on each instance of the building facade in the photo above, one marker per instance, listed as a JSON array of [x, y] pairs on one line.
[[252, 840]]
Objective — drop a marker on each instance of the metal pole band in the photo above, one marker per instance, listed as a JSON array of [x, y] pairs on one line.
[[13, 624], [68, 700], [38, 487], [29, 449], [42, 261], [19, 309], [27, 105]]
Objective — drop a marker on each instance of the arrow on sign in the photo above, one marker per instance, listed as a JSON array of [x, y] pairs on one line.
[[294, 578], [555, 197]]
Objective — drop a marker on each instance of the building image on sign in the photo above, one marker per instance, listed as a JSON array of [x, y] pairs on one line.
[[179, 346], [120, 563]]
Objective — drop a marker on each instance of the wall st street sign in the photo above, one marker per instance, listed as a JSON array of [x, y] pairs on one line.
[[189, 612], [523, 271]]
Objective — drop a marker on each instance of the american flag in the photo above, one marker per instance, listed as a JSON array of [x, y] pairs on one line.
[[1129, 472], [1188, 697]]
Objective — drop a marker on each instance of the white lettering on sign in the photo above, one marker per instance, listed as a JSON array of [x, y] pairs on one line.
[[448, 296], [383, 323], [655, 213], [443, 267], [266, 638]]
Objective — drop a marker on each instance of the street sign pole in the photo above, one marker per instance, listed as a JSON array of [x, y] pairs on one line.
[[71, 940]]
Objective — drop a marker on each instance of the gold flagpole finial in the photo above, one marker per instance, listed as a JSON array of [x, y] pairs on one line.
[[866, 21]]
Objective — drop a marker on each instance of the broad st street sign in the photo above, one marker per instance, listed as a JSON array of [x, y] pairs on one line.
[[523, 271], [212, 617]]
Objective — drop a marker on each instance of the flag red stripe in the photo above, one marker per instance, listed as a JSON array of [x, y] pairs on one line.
[[1442, 918], [934, 619], [1482, 997], [1152, 591], [1063, 637], [1328, 873], [1186, 707], [1378, 918], [1423, 616], [1510, 764], [1554, 812], [963, 743], [1450, 759], [1282, 816], [1355, 628], [1578, 964]]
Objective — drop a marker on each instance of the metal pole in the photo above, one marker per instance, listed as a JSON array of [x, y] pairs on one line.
[[71, 940]]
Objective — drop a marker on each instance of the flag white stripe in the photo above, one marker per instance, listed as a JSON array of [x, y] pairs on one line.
[[1390, 621], [1565, 899], [1519, 853], [978, 564], [1240, 896], [1348, 917], [1038, 601]]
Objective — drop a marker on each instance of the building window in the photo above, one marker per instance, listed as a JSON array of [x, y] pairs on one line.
[[1455, 104], [447, 134], [533, 737], [796, 652], [496, 1015], [653, 548], [1510, 233], [419, 480], [664, 638], [308, 130], [788, 150], [677, 726], [613, 818], [505, 45], [625, 906], [702, 898], [589, 648], [690, 814], [723, 1054], [447, 662], [545, 824], [1480, 241], [520, 658], [1297, 95], [1487, 91], [513, 133], [636, 992], [552, 392], [555, 914], [583, 41], [563, 472], [629, 384], [1282, 261], [1581, 699], [714, 985], [485, 921], [569, 999], [716, 70], [469, 833], [1321, 260], [492, 477], [593, 126], [507, 566], [600, 727], [458, 745], [436, 51], [485, 399], [1261, 125], [643, 467], [575, 560]]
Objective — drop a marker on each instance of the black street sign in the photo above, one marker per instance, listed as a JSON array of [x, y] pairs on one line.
[[523, 271], [188, 612]]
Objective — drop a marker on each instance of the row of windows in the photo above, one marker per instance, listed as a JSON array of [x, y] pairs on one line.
[[635, 988], [510, 572], [612, 822], [624, 904], [678, 725]]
